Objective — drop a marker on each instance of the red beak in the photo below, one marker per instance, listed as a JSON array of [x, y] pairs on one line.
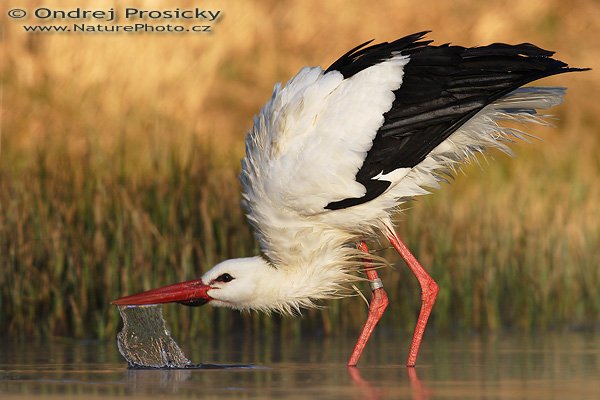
[[190, 293]]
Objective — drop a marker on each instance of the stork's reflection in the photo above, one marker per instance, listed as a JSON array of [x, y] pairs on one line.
[[368, 391]]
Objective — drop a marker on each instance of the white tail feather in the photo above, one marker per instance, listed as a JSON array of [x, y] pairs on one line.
[[483, 132]]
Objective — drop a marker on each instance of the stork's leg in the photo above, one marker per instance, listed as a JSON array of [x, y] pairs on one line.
[[429, 290], [379, 302]]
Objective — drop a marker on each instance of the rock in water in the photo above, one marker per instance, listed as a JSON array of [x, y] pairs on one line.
[[145, 340]]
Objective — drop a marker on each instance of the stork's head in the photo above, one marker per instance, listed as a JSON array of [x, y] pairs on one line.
[[236, 283]]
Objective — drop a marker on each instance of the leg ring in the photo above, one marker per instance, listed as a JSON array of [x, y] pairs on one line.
[[376, 284]]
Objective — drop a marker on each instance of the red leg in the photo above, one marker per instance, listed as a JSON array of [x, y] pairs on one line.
[[379, 302], [429, 290]]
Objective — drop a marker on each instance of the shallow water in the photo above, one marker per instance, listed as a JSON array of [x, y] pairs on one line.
[[547, 366]]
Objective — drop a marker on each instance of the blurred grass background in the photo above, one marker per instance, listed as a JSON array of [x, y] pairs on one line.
[[119, 156]]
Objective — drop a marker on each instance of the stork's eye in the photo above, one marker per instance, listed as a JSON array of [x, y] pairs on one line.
[[224, 278]]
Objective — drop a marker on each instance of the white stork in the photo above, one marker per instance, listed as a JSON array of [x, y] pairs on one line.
[[335, 152]]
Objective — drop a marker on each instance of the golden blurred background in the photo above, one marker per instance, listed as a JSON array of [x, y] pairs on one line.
[[119, 155]]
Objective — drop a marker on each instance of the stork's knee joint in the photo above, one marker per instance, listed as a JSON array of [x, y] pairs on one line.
[[429, 291]]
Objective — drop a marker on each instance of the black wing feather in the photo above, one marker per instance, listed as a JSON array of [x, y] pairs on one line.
[[442, 88], [360, 58]]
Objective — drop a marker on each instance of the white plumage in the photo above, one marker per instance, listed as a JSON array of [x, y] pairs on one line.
[[299, 158], [334, 153]]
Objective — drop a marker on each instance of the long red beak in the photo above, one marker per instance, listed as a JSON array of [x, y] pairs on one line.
[[190, 293]]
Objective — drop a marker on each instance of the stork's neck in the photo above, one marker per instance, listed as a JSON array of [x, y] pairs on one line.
[[308, 278], [296, 280], [312, 265], [308, 261]]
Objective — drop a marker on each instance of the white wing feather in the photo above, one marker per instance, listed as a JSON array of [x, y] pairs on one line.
[[311, 138]]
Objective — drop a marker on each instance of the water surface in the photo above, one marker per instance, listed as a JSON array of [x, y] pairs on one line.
[[547, 366]]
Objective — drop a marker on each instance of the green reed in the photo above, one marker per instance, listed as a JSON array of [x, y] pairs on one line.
[[76, 233], [119, 160]]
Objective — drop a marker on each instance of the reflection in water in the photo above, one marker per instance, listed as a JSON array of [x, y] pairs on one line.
[[165, 381], [367, 390], [418, 390], [546, 367]]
